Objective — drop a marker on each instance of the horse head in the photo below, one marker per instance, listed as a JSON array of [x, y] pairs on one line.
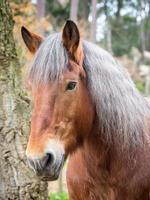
[[62, 114]]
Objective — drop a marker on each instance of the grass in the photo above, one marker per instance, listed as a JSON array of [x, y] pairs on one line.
[[59, 196], [140, 86]]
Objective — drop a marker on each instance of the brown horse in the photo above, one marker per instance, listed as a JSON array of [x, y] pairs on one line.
[[86, 106]]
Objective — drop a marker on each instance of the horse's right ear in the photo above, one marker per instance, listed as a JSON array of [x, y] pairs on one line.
[[71, 41], [31, 40]]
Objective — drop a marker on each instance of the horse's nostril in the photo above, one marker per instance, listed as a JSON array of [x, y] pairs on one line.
[[44, 163], [49, 159]]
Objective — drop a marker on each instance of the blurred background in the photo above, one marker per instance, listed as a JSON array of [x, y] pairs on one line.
[[120, 26]]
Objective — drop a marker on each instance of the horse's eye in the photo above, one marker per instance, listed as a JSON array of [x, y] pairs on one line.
[[71, 85]]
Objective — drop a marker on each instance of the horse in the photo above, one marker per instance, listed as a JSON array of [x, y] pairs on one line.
[[86, 108]]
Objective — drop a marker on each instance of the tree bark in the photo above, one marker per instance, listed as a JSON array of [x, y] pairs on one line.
[[16, 179], [141, 9], [142, 36], [40, 9], [41, 14], [93, 23], [74, 10], [109, 36], [84, 7], [108, 25], [119, 7]]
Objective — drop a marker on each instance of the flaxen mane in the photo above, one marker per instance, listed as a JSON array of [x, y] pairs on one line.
[[122, 111]]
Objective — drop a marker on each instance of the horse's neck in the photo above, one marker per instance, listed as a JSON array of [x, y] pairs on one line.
[[108, 159], [94, 152]]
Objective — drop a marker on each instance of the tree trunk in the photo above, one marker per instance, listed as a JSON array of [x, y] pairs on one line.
[[84, 7], [93, 24], [119, 7], [141, 9], [40, 9], [16, 179], [41, 14], [108, 28], [142, 36], [74, 10], [108, 35]]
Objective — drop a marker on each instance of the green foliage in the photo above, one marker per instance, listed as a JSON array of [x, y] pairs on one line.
[[124, 35], [147, 33], [20, 1], [58, 11], [146, 62], [59, 196], [140, 86]]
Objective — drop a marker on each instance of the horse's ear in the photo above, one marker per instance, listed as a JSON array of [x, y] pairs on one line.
[[71, 40], [31, 40]]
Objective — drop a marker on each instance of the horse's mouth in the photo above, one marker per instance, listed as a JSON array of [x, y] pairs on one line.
[[49, 178], [49, 175]]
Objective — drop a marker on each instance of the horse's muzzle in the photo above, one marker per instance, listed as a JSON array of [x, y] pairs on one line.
[[48, 166]]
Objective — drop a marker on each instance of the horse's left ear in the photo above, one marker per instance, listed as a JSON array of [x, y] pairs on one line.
[[31, 40], [71, 41]]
